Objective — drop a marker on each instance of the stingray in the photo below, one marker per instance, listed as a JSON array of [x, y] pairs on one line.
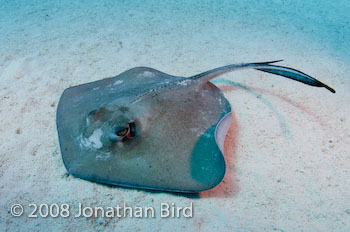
[[147, 129]]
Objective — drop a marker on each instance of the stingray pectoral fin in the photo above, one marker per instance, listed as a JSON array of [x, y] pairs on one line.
[[207, 162], [294, 75]]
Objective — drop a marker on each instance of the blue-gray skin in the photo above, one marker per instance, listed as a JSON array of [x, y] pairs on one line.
[[147, 129]]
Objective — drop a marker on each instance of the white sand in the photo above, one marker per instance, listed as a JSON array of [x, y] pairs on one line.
[[287, 154]]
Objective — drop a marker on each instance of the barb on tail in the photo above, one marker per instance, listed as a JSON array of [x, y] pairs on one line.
[[264, 67]]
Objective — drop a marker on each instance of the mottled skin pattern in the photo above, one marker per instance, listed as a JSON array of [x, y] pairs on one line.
[[144, 128]]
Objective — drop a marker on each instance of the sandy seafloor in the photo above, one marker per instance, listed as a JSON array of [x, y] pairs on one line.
[[288, 149]]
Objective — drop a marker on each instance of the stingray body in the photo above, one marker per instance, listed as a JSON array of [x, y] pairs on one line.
[[147, 129]]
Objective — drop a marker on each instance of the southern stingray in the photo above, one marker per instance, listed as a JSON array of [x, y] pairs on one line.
[[147, 129]]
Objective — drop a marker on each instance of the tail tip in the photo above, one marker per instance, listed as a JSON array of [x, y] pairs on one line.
[[329, 88]]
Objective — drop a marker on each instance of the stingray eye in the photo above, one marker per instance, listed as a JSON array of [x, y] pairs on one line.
[[127, 132], [122, 132]]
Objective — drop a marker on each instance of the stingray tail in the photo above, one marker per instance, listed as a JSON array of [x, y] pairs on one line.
[[264, 67]]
